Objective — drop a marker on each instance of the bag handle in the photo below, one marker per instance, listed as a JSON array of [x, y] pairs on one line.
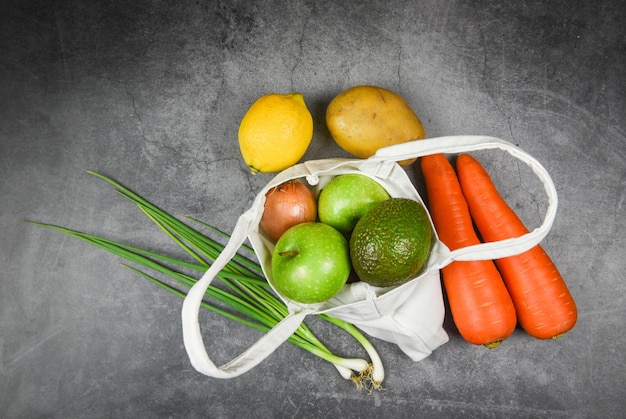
[[192, 335], [467, 143]]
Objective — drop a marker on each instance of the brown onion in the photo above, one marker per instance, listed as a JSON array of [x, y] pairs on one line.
[[286, 205]]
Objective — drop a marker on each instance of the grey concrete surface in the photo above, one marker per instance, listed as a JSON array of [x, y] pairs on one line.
[[151, 93]]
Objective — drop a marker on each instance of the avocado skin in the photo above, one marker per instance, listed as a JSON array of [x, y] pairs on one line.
[[391, 242]]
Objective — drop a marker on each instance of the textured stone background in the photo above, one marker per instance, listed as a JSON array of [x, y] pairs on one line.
[[151, 93]]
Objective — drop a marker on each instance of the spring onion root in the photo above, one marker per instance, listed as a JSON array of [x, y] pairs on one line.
[[372, 378], [247, 295]]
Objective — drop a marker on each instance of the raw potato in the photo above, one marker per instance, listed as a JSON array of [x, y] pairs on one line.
[[363, 119]]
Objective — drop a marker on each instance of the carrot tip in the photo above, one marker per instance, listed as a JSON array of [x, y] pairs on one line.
[[494, 344]]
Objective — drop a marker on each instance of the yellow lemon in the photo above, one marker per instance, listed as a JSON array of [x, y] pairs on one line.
[[275, 132], [363, 119]]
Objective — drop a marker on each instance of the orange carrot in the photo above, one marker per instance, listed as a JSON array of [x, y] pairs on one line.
[[545, 307], [479, 302]]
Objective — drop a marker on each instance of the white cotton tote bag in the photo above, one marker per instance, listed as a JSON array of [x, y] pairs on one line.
[[409, 315]]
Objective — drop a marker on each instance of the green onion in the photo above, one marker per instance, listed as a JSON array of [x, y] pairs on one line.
[[246, 298]]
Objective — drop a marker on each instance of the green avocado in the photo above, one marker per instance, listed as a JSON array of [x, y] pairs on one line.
[[391, 242]]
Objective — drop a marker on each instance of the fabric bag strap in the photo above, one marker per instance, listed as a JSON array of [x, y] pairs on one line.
[[192, 335], [467, 143]]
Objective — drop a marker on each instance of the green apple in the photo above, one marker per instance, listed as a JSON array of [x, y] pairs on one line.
[[346, 198], [310, 263]]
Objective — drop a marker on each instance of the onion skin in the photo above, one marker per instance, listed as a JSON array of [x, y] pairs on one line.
[[286, 205]]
